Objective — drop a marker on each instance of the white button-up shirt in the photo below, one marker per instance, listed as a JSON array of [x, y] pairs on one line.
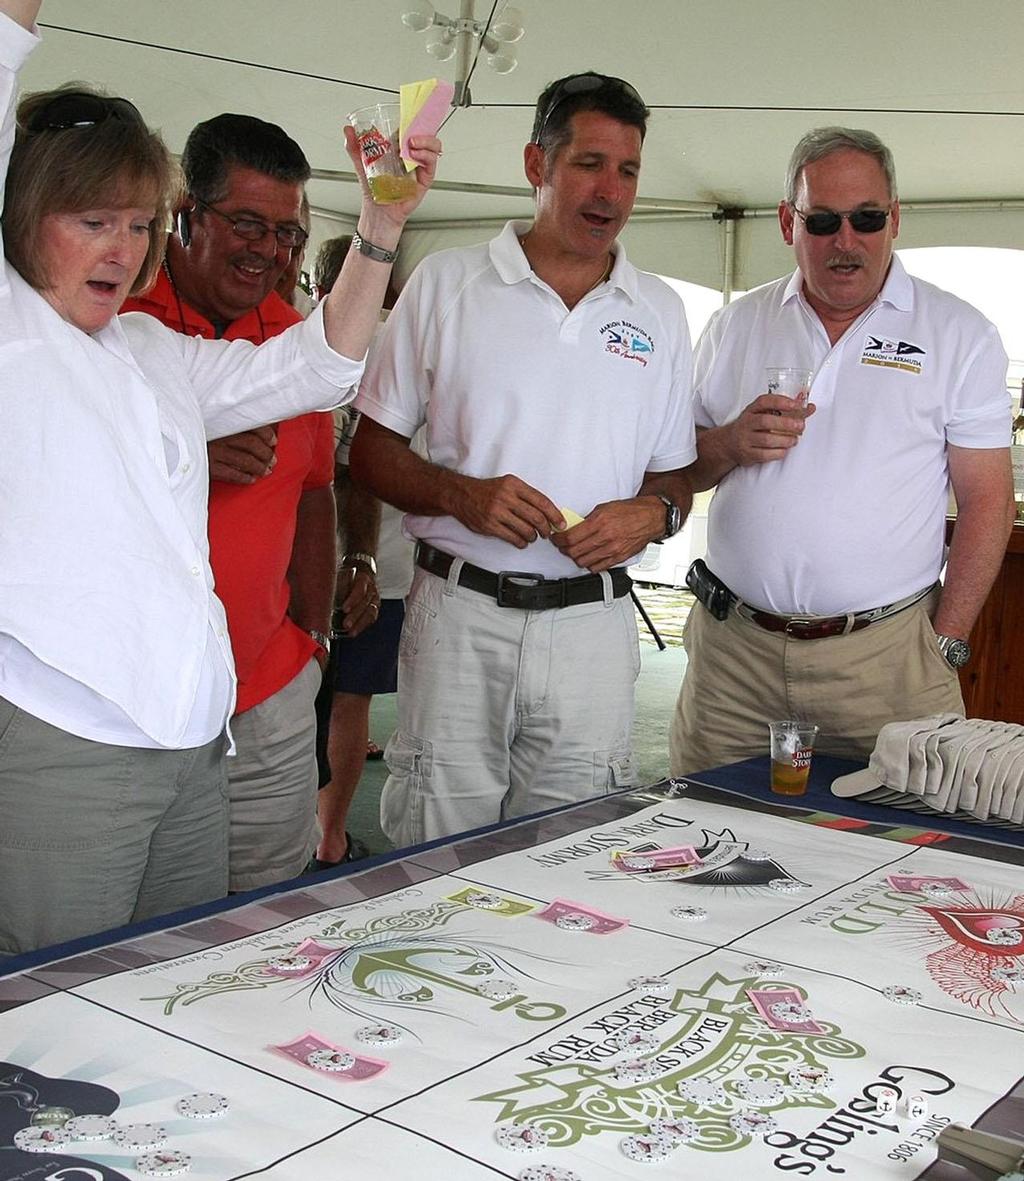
[[109, 625]]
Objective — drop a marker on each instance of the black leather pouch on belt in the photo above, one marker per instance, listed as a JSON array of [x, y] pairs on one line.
[[709, 590]]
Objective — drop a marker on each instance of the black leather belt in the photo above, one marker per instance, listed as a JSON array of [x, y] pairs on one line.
[[528, 592]]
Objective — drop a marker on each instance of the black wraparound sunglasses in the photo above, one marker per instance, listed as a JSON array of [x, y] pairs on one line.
[[828, 221], [575, 85], [76, 108]]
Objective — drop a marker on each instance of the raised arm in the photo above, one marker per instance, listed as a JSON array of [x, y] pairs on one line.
[[22, 11], [352, 309]]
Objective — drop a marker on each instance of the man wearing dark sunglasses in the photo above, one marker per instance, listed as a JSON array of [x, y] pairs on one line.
[[272, 522], [553, 379], [820, 598]]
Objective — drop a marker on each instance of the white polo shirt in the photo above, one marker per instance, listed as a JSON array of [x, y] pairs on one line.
[[579, 404], [853, 517]]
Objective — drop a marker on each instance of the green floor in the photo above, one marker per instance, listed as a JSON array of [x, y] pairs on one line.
[[656, 690]]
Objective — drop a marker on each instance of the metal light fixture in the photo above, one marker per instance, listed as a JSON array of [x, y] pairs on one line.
[[447, 35]]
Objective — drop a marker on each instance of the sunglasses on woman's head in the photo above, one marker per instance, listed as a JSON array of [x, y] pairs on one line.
[[75, 108]]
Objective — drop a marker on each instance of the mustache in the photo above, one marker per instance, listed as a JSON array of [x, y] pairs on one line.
[[845, 259]]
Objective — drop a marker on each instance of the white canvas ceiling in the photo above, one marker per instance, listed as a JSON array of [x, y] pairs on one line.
[[732, 84]]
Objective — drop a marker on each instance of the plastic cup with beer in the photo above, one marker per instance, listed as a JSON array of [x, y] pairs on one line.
[[376, 130], [792, 743], [790, 380]]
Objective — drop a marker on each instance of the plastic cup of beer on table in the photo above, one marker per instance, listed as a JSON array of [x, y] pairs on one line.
[[376, 129], [792, 744], [790, 380]]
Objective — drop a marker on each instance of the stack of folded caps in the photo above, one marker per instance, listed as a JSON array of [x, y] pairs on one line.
[[969, 768]]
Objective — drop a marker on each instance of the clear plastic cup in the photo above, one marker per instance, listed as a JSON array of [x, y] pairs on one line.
[[790, 380], [792, 744], [376, 129]]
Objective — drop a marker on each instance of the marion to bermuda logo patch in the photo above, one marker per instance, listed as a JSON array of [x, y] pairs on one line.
[[893, 354], [623, 339]]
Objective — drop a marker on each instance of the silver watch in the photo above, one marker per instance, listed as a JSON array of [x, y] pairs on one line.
[[673, 517], [321, 639], [957, 652], [377, 253]]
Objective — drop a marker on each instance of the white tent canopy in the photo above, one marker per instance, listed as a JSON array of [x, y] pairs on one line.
[[732, 86]]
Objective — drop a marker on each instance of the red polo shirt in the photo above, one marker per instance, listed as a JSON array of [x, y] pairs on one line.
[[252, 526]]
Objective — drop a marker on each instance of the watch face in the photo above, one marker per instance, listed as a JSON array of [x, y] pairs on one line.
[[958, 653]]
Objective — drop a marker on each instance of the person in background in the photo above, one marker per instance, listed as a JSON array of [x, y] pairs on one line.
[[554, 382], [271, 527], [116, 675], [821, 598], [288, 286]]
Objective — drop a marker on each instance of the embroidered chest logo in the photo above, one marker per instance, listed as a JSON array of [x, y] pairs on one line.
[[893, 354], [623, 339]]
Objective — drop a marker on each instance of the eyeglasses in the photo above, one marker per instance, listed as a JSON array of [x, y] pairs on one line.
[[581, 84], [76, 108], [862, 221], [251, 230]]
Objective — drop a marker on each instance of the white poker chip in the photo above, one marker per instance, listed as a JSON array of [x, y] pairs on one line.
[[51, 1117], [290, 963], [644, 1146], [640, 1041], [790, 1012], [900, 994], [1012, 975], [756, 855], [202, 1105], [635, 1070], [485, 901], [701, 1091], [140, 1136], [689, 914], [675, 1127], [573, 921], [762, 1092], [637, 861], [40, 1139], [497, 990], [164, 1164], [331, 1060], [90, 1127], [764, 968], [936, 890], [811, 1078], [521, 1137], [548, 1173], [1003, 936], [752, 1123], [787, 885], [380, 1035], [656, 984]]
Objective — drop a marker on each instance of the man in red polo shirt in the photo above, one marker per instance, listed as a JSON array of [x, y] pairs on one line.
[[272, 523]]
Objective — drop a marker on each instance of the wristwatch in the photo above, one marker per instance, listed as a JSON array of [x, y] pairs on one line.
[[366, 559], [321, 639], [957, 652], [673, 517], [377, 253]]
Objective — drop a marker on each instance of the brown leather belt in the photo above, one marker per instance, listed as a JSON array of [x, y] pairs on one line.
[[528, 592], [816, 627]]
